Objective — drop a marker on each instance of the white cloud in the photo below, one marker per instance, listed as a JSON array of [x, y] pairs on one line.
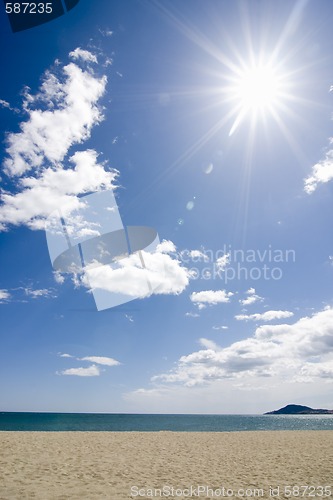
[[70, 111], [299, 352], [161, 275], [58, 277], [201, 299], [322, 172], [4, 295], [166, 246], [197, 255], [266, 316], [322, 370], [222, 262], [54, 188], [19, 294], [85, 55], [193, 255], [4, 104], [101, 360], [252, 297], [91, 371], [223, 327]]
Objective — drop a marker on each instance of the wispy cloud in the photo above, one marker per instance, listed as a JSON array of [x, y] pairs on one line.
[[266, 316], [251, 298], [41, 292], [192, 315], [101, 360], [106, 32], [222, 262], [91, 371], [20, 294], [195, 255], [5, 104], [210, 297]]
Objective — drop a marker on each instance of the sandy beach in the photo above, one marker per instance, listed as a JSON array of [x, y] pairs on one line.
[[124, 465]]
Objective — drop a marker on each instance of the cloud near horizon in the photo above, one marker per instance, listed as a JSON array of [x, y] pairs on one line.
[[300, 352]]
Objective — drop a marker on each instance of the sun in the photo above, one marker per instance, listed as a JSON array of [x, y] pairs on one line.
[[254, 91], [257, 88]]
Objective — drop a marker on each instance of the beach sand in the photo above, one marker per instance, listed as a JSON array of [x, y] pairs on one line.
[[106, 465]]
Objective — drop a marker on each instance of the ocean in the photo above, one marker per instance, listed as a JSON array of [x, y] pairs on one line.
[[142, 422]]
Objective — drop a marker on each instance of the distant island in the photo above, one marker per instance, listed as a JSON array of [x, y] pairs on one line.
[[299, 410]]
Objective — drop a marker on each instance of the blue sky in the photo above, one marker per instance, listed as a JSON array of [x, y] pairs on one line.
[[210, 122]]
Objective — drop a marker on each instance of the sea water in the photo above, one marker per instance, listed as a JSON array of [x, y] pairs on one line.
[[157, 422]]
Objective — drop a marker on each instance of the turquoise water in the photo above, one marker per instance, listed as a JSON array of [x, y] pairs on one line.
[[139, 422]]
